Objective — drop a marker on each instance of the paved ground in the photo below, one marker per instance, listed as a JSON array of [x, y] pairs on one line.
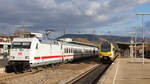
[[2, 62], [127, 71]]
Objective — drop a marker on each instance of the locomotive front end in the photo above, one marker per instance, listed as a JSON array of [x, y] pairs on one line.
[[20, 51], [20, 54], [106, 52]]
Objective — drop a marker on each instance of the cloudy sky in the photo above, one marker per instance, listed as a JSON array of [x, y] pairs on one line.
[[109, 17]]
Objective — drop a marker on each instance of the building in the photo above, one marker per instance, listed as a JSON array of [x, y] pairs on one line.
[[5, 43]]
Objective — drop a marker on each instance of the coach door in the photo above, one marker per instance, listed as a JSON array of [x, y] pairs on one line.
[[63, 53], [60, 52], [37, 54]]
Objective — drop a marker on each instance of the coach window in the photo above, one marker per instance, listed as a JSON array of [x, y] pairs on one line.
[[76, 50], [73, 50], [67, 50], [83, 50], [70, 50], [36, 46], [64, 50], [79, 50], [94, 51], [88, 50]]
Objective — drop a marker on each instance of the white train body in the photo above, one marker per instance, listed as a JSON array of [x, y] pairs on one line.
[[35, 53]]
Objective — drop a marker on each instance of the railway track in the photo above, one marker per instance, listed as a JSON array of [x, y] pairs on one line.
[[90, 76], [13, 75]]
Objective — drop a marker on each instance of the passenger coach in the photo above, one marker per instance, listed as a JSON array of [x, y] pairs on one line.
[[31, 52]]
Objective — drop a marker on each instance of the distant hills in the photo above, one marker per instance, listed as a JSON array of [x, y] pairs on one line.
[[100, 38]]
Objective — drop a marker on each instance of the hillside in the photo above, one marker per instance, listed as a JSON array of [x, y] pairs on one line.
[[100, 38], [89, 37]]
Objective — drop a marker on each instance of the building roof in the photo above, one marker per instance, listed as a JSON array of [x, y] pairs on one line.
[[6, 38]]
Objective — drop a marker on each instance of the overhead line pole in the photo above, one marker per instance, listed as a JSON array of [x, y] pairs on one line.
[[135, 41], [143, 31], [143, 35]]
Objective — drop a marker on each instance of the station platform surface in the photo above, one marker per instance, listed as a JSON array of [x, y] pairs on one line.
[[127, 71]]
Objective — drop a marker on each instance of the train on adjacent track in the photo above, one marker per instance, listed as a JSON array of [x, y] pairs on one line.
[[26, 53], [108, 52]]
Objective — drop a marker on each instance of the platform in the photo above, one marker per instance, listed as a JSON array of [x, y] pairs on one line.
[[2, 62], [127, 71]]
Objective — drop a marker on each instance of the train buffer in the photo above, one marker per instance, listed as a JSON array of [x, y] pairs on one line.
[[127, 71]]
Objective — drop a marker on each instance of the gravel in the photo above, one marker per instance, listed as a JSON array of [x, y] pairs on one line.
[[55, 75]]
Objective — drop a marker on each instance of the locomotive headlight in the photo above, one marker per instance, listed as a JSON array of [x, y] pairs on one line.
[[26, 57]]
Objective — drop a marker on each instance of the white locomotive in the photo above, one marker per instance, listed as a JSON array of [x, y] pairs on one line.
[[31, 52]]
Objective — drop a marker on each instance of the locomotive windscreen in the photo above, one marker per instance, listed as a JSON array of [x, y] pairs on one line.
[[105, 47], [21, 45]]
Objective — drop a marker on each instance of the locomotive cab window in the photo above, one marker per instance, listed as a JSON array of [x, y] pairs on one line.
[[21, 45], [105, 47], [26, 45], [16, 45]]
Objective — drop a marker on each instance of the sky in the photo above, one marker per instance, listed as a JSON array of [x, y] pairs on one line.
[[102, 17]]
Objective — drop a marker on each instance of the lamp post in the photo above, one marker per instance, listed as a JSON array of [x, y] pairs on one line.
[[143, 31], [135, 41], [136, 37], [132, 42]]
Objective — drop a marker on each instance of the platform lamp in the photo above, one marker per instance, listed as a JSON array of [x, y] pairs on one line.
[[143, 31]]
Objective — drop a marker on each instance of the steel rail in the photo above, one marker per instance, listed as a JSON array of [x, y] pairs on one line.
[[90, 76]]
